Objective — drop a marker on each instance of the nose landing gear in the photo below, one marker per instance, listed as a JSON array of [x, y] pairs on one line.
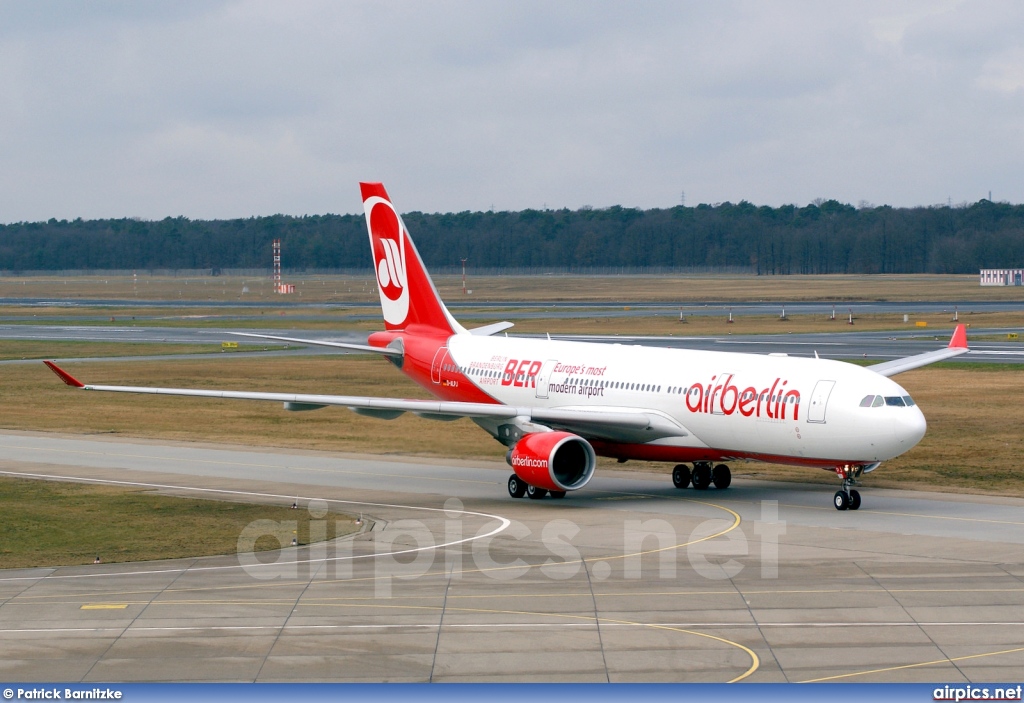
[[847, 498]]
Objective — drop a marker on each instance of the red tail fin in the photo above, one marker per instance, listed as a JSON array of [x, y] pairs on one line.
[[407, 295]]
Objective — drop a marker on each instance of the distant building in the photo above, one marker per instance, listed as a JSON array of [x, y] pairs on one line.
[[1002, 277]]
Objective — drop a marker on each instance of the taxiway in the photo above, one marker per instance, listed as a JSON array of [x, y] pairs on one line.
[[627, 580]]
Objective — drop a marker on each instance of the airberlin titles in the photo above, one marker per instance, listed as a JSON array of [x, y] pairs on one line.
[[520, 461], [721, 396], [726, 398]]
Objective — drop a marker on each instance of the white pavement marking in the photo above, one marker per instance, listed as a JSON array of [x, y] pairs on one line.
[[505, 522]]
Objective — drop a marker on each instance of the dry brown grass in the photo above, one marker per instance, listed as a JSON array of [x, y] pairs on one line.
[[33, 349], [974, 442], [718, 288], [36, 399], [670, 288]]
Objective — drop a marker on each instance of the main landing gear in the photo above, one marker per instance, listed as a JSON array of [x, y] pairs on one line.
[[847, 498], [517, 488], [702, 476]]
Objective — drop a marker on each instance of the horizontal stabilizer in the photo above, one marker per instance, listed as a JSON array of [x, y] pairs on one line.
[[488, 330], [388, 351]]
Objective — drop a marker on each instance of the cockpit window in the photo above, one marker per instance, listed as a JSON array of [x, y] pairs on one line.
[[895, 401]]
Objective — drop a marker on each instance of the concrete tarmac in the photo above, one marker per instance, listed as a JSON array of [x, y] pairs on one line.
[[453, 580]]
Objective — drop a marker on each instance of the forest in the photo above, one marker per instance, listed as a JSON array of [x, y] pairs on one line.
[[820, 238]]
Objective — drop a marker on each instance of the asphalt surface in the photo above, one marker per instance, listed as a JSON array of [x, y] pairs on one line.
[[878, 346], [626, 580]]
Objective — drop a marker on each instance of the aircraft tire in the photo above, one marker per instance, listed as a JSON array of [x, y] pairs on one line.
[[840, 500], [534, 493], [721, 476], [854, 500], [701, 476], [681, 476], [516, 486], [556, 494]]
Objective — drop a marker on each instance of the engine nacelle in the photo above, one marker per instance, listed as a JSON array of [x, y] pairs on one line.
[[557, 461]]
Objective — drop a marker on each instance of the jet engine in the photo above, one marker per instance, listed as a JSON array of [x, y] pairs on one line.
[[555, 461]]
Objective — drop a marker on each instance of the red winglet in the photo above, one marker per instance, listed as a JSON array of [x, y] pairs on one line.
[[959, 339], [64, 375]]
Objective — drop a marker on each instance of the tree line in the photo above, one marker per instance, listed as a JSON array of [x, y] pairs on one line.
[[822, 237]]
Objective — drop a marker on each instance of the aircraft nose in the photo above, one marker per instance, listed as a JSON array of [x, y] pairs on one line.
[[909, 427]]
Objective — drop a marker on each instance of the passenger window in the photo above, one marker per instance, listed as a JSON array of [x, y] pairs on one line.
[[866, 403], [894, 401]]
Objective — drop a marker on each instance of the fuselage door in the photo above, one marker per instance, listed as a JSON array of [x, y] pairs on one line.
[[544, 377], [440, 358], [819, 400]]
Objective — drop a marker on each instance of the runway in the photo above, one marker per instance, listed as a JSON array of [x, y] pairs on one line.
[[874, 346], [626, 580]]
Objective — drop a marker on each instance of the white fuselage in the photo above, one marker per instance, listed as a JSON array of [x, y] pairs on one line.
[[789, 409]]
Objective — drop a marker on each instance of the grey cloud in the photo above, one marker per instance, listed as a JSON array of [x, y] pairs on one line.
[[242, 108]]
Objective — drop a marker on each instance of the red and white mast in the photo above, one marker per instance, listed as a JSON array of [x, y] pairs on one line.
[[278, 286]]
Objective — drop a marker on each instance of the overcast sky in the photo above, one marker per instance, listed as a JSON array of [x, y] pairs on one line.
[[232, 109]]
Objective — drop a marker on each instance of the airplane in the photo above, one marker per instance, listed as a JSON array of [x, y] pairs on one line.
[[557, 405]]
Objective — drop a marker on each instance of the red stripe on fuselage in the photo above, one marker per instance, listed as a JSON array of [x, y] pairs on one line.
[[657, 452]]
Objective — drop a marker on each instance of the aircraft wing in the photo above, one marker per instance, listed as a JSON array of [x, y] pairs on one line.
[[611, 423], [957, 346]]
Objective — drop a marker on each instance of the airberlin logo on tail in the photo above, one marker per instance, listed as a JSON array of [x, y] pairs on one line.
[[387, 240], [390, 274]]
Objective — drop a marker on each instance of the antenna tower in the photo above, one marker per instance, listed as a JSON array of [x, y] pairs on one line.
[[278, 286]]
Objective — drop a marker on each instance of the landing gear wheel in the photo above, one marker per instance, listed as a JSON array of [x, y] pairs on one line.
[[701, 476], [841, 501], [557, 494], [516, 486], [854, 500], [721, 476], [534, 493], [847, 498], [681, 476]]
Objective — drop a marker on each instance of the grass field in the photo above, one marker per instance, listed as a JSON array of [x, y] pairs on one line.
[[974, 442], [682, 289], [50, 523]]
